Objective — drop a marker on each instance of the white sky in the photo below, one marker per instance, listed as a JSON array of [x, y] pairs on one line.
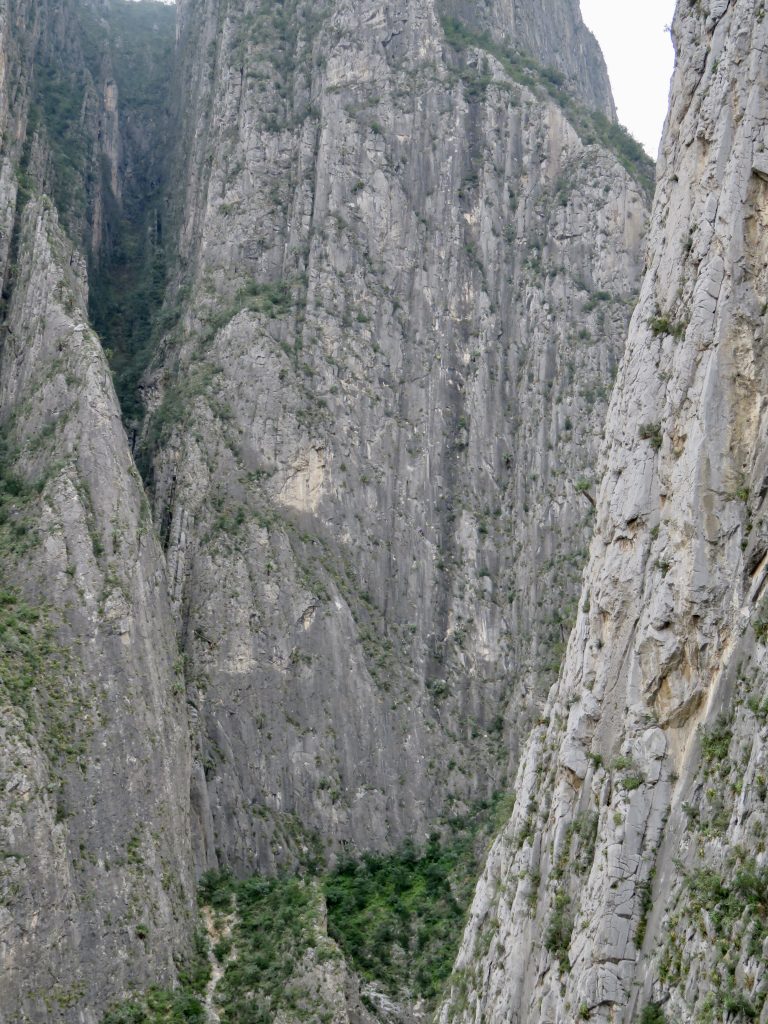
[[639, 54]]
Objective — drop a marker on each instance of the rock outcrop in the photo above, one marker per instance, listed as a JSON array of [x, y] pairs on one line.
[[94, 831], [632, 872]]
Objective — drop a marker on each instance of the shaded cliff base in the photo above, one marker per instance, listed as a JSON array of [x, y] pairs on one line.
[[372, 940]]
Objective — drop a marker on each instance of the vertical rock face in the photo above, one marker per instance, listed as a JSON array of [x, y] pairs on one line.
[[95, 862], [131, 53], [94, 824], [372, 299], [406, 267], [405, 239], [633, 869], [550, 32]]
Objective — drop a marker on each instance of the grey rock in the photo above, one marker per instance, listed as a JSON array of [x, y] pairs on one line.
[[94, 818], [400, 276], [672, 646], [373, 524]]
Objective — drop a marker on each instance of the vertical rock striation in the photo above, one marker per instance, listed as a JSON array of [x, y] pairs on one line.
[[633, 869], [406, 265], [94, 824], [95, 857], [550, 32], [367, 270]]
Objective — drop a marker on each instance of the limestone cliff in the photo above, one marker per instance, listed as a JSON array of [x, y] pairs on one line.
[[94, 828], [407, 261], [96, 885], [361, 276], [632, 873]]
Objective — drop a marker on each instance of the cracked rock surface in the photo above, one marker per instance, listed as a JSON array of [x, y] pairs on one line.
[[368, 270], [404, 285], [633, 868]]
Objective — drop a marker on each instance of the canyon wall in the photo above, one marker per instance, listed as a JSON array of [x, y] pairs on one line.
[[311, 313], [406, 265], [632, 874], [96, 873]]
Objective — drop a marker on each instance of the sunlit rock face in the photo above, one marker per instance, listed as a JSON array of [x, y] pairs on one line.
[[633, 869]]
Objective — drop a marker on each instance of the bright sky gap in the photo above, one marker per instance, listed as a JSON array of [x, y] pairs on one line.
[[637, 47]]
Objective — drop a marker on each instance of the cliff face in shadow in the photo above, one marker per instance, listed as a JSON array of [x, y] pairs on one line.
[[96, 875]]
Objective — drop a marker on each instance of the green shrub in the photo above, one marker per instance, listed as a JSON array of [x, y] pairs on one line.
[[159, 1006], [216, 890], [397, 918], [651, 432], [652, 1014], [593, 126], [646, 903], [31, 659], [716, 742], [632, 781], [276, 921], [273, 299], [664, 326], [182, 1005], [557, 938]]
